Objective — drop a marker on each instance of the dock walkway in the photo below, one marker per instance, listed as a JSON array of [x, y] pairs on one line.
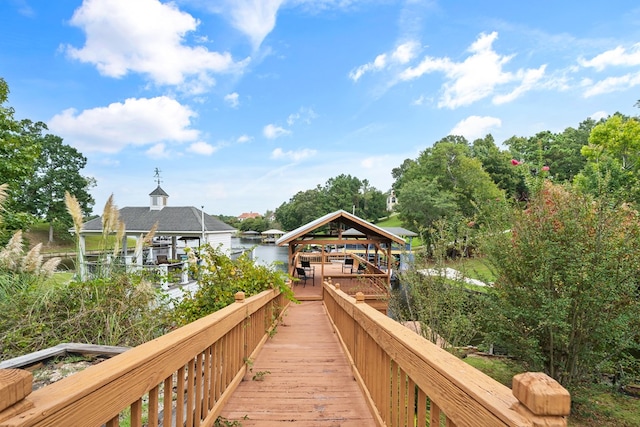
[[303, 378]]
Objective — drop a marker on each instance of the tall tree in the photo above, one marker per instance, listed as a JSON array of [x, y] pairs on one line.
[[613, 156], [57, 171], [443, 182], [498, 165], [19, 149]]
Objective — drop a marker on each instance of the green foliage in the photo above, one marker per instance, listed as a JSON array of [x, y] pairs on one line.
[[57, 171], [220, 278], [342, 192], [501, 369], [260, 375], [444, 182], [445, 309], [565, 299], [613, 155], [121, 310]]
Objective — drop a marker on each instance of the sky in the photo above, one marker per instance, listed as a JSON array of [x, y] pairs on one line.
[[240, 104]]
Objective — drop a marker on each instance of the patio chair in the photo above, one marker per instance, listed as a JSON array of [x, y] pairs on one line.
[[309, 270], [348, 263], [302, 276]]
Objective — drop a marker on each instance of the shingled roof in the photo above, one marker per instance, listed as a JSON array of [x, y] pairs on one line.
[[172, 220]]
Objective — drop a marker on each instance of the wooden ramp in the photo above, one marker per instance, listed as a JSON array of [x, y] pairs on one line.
[[309, 380]]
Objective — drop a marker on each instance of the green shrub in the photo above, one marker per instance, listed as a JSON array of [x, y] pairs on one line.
[[220, 278], [565, 299]]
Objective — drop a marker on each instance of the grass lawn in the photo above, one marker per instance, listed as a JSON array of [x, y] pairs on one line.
[[39, 233]]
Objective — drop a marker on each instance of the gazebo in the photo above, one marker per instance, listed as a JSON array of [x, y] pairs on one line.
[[320, 242]]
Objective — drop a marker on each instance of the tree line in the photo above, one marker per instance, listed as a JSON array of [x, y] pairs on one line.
[[38, 168]]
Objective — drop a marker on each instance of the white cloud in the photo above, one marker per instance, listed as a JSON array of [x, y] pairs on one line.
[[614, 57], [272, 131], [202, 148], [375, 162], [418, 101], [254, 18], [529, 79], [135, 122], [295, 156], [599, 115], [474, 127], [118, 41], [305, 115], [476, 77], [613, 84], [232, 99], [401, 55], [243, 139], [158, 151]]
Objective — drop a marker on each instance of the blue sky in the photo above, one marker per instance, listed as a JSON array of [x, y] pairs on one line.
[[243, 103]]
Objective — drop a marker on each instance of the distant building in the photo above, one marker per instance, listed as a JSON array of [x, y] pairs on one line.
[[248, 215], [392, 200], [174, 223]]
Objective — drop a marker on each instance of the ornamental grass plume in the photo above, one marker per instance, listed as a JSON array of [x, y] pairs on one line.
[[119, 235], [32, 262], [73, 207], [49, 267], [12, 253], [3, 194], [109, 217]]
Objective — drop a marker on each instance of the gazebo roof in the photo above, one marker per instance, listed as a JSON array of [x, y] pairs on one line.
[[398, 231], [345, 219], [171, 220]]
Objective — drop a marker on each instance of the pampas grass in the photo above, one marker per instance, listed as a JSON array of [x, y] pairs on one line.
[[32, 262], [73, 207], [11, 255]]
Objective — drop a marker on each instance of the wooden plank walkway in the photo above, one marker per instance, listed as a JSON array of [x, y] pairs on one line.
[[309, 383]]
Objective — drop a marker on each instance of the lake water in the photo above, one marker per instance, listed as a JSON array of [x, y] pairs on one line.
[[264, 254]]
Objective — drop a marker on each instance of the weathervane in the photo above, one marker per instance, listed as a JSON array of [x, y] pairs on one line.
[[157, 176]]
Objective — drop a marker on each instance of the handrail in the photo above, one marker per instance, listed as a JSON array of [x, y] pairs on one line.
[[185, 375], [410, 381]]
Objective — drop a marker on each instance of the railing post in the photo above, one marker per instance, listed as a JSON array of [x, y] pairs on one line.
[[337, 286], [541, 399], [239, 297], [15, 385], [359, 298]]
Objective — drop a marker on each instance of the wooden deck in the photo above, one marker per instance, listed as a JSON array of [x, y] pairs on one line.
[[307, 379], [350, 283]]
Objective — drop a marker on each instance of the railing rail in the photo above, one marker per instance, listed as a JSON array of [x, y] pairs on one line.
[[411, 382], [181, 378]]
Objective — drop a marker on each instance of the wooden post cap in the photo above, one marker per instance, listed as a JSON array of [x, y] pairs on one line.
[[541, 394], [239, 296], [15, 385], [337, 286], [359, 298]]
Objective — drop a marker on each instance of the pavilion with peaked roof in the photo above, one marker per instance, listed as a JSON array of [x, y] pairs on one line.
[[185, 222], [324, 235]]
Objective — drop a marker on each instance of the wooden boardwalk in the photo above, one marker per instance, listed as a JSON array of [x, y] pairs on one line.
[[306, 378]]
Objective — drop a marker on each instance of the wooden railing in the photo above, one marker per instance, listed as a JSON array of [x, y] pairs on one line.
[[409, 381], [182, 378]]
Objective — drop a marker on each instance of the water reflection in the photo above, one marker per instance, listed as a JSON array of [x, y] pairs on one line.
[[264, 254]]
